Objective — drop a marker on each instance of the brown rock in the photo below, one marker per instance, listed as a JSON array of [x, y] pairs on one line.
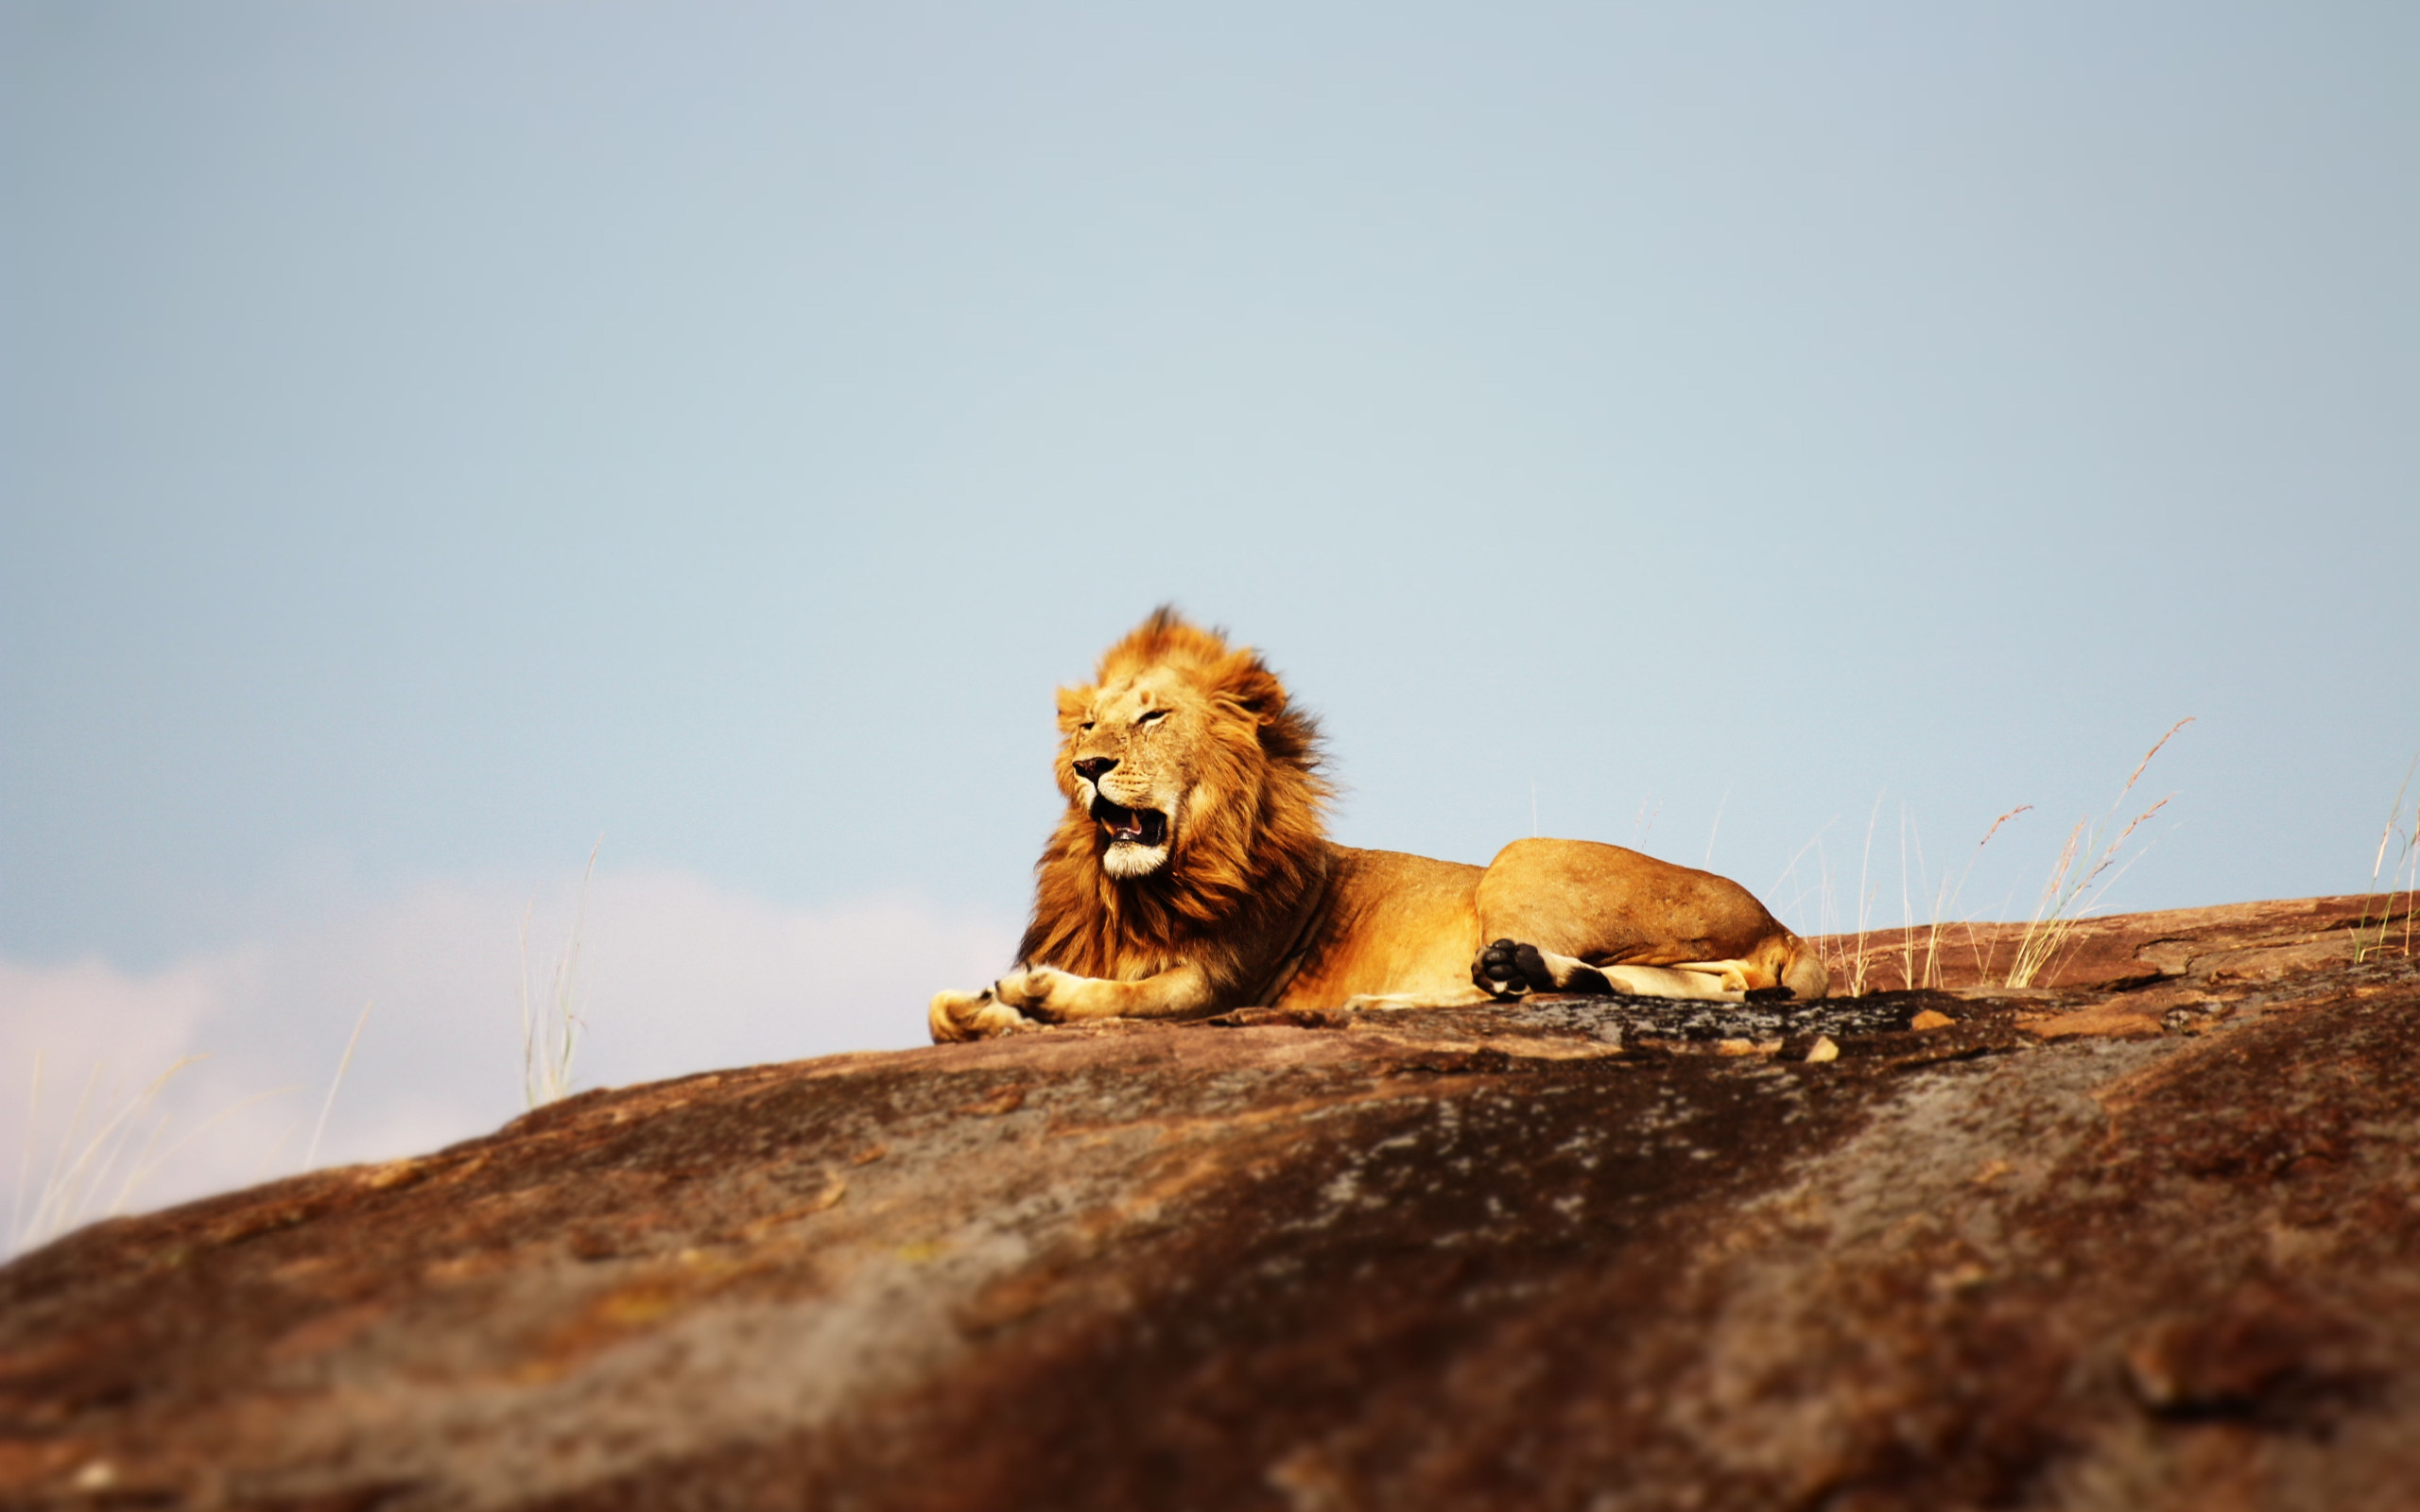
[[2102, 1021], [1454, 1258], [2245, 941]]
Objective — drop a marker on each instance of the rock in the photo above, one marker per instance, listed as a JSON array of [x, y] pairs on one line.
[[2236, 941], [2091, 1021], [1930, 1019], [1559, 1254]]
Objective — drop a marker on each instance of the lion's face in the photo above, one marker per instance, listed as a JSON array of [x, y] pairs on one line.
[[1131, 760], [1194, 798]]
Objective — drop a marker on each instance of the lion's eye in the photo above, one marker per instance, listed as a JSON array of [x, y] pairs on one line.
[[1149, 714], [1086, 725]]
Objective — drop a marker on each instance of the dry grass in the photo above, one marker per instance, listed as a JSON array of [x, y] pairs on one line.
[[2092, 858], [98, 1167], [311, 1157], [2407, 866], [2081, 876], [1859, 959], [1923, 944], [551, 1034], [85, 1159], [1909, 834], [1834, 962], [1946, 893]]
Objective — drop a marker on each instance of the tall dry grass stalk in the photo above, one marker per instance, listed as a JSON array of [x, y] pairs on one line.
[[1822, 888], [85, 1159], [311, 1157], [2077, 881], [1859, 964], [1716, 828], [1924, 944], [1982, 956], [550, 1033], [1909, 833], [1921, 967], [2407, 859]]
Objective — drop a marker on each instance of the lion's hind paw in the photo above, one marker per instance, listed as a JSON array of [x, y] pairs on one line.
[[1509, 970]]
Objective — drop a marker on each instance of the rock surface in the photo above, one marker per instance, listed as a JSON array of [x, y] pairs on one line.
[[2146, 1237]]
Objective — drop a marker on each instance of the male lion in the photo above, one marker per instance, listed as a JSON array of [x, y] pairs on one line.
[[1191, 874]]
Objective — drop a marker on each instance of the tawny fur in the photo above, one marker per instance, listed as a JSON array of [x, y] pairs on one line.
[[1252, 846], [1206, 881]]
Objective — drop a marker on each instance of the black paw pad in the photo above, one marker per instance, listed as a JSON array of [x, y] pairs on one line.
[[1533, 968], [1496, 971], [1509, 969]]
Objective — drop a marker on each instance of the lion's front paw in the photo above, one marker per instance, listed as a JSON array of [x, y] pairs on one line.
[[961, 1016], [1508, 970], [1029, 992]]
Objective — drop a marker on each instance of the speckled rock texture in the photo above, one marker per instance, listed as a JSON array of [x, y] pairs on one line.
[[2148, 1237]]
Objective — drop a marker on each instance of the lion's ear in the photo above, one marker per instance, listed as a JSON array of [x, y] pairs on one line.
[[1246, 683]]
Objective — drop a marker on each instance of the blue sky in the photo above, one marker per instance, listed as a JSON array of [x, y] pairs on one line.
[[433, 436]]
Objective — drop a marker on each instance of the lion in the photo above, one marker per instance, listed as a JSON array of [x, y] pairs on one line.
[[1192, 874]]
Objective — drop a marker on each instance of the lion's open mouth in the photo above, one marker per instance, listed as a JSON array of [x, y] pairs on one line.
[[1145, 826]]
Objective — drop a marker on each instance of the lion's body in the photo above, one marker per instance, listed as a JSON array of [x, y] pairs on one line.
[[1191, 874], [1404, 926], [1395, 925]]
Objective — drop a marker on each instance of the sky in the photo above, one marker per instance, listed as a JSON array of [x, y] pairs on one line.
[[438, 441]]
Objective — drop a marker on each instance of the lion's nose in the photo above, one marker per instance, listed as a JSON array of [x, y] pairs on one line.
[[1091, 768]]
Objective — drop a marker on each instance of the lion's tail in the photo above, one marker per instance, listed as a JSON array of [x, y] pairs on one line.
[[1783, 959], [1804, 972]]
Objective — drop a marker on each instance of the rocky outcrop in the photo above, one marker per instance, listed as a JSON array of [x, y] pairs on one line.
[[2188, 953], [2146, 1237]]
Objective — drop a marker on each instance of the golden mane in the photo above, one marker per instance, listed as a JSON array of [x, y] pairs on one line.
[[1248, 858]]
